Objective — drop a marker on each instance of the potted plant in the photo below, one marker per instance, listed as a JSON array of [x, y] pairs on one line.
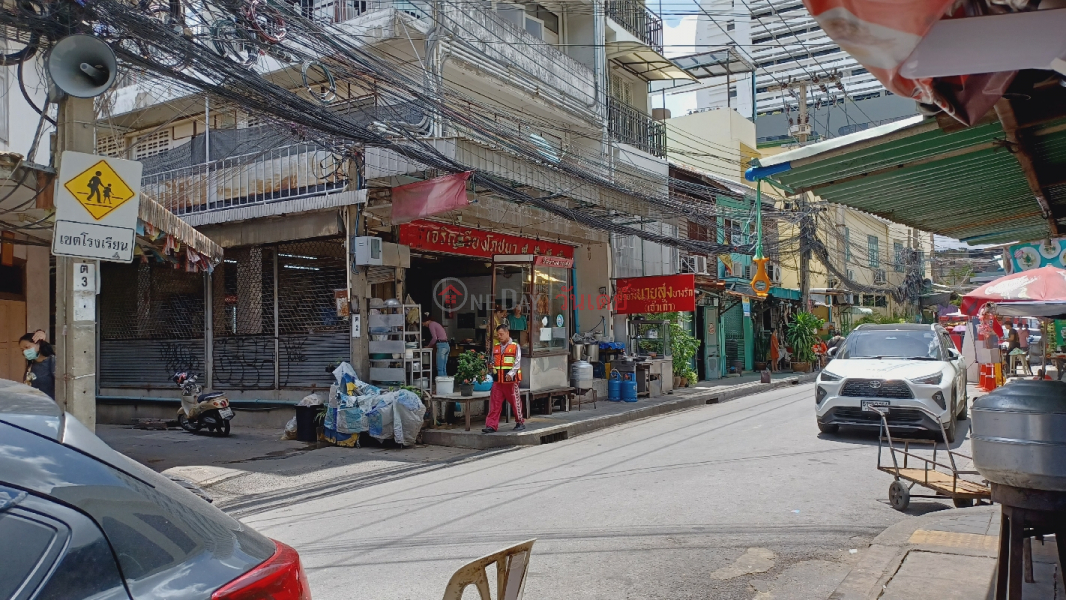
[[762, 350], [683, 347], [802, 335], [472, 369]]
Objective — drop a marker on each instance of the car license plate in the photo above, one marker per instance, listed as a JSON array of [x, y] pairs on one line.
[[867, 404], [225, 413]]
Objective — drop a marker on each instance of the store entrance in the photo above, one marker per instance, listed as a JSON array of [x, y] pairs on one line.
[[466, 318]]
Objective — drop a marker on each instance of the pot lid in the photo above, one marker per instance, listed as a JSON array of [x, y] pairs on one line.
[[1026, 396]]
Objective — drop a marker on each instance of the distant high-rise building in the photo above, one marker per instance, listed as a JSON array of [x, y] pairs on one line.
[[783, 41]]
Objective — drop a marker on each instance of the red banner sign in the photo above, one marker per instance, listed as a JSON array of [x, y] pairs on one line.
[[438, 237], [659, 294]]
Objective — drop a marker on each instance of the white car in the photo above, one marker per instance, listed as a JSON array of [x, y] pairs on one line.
[[893, 366]]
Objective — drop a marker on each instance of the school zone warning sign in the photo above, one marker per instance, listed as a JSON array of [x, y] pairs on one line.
[[97, 200], [99, 189]]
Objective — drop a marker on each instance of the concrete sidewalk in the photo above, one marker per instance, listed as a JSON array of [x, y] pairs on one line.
[[541, 429], [945, 555]]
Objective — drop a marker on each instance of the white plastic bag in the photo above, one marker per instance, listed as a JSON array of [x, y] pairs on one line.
[[311, 400], [290, 430], [407, 417]]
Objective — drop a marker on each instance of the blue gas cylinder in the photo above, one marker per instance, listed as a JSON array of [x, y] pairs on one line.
[[614, 387], [629, 389]]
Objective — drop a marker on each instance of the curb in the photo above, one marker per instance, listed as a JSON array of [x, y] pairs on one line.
[[465, 439], [881, 560]]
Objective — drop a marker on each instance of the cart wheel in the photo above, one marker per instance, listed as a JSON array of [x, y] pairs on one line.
[[962, 502], [899, 496]]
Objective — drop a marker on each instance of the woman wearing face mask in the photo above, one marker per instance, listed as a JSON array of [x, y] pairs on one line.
[[40, 362]]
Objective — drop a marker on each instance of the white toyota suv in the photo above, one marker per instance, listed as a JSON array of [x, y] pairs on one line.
[[893, 366]]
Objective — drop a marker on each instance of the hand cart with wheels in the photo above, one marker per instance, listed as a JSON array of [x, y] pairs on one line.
[[943, 479]]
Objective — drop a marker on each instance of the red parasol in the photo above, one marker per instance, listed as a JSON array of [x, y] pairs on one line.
[[1043, 285]]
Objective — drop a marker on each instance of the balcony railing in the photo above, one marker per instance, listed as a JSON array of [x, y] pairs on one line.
[[286, 173], [630, 126], [638, 20]]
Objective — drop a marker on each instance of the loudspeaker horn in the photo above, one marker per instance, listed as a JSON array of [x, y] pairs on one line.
[[82, 66]]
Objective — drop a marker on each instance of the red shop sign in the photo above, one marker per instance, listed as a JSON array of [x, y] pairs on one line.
[[438, 237], [659, 294]]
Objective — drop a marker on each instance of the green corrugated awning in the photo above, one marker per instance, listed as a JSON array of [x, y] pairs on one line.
[[786, 293], [963, 183]]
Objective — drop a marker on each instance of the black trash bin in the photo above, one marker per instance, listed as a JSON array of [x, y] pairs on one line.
[[306, 431]]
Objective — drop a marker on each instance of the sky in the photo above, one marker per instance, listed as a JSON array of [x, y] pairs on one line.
[[679, 39]]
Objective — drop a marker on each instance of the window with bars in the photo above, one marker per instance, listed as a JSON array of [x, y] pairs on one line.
[[873, 252], [152, 144], [897, 248]]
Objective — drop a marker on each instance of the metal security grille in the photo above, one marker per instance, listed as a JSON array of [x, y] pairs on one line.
[[733, 329], [151, 324], [275, 317], [310, 334]]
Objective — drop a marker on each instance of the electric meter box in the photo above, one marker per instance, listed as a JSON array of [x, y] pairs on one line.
[[368, 251]]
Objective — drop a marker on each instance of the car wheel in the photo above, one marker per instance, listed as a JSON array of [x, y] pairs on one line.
[[824, 428], [899, 496], [186, 424], [962, 502], [950, 429], [964, 412]]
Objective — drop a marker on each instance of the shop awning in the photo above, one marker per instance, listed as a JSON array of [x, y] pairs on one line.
[[997, 182], [153, 213], [716, 63]]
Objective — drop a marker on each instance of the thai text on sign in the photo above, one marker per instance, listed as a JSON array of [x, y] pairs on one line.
[[438, 237], [657, 294]]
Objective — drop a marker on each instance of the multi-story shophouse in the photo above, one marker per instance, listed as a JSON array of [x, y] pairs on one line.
[[569, 76]]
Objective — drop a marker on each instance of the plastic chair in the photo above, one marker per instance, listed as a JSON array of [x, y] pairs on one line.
[[511, 567]]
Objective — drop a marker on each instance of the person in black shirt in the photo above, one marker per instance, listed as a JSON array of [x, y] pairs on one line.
[[40, 362]]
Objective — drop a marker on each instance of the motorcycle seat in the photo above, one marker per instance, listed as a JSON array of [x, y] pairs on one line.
[[209, 396]]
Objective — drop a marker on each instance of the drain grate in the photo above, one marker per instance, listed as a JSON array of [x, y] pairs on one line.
[[553, 437], [712, 400]]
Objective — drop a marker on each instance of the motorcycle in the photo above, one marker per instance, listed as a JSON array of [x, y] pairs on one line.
[[199, 410]]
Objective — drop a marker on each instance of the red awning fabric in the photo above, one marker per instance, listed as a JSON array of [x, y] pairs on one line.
[[1046, 284], [882, 34], [431, 197]]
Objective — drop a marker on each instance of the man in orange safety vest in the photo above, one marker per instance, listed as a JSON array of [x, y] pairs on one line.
[[506, 375]]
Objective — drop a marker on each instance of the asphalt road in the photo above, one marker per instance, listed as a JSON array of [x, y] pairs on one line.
[[739, 500]]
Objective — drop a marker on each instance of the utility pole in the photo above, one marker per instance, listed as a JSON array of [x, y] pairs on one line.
[[801, 129], [75, 334], [807, 233]]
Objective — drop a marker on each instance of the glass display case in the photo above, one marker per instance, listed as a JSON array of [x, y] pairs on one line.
[[649, 338], [534, 294]]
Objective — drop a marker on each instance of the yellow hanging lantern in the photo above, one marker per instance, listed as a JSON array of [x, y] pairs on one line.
[[761, 282]]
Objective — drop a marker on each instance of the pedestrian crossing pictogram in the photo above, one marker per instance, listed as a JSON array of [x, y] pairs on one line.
[[99, 189]]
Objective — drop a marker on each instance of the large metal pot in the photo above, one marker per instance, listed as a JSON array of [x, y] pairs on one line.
[[592, 352], [1019, 435], [577, 351]]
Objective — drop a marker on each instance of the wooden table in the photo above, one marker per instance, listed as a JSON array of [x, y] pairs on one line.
[[457, 397]]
